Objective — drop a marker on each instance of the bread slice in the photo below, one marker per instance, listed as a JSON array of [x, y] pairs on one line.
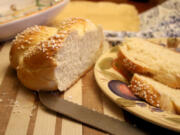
[[155, 93], [143, 57], [60, 59], [117, 65]]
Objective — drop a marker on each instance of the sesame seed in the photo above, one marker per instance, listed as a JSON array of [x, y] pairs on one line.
[[138, 88], [56, 36], [152, 101], [155, 96], [22, 46]]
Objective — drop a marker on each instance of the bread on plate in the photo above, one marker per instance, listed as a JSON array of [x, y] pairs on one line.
[[155, 93], [144, 57]]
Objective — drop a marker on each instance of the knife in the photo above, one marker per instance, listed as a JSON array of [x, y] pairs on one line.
[[87, 116]]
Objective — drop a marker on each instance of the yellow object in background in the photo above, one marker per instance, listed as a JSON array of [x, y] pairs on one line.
[[111, 16]]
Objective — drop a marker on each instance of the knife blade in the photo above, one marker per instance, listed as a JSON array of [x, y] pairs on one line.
[[87, 116]]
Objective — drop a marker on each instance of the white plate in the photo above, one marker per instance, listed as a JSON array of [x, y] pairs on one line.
[[16, 15]]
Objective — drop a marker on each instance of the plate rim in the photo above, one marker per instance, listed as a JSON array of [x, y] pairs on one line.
[[31, 15]]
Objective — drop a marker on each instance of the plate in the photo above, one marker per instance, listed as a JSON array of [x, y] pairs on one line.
[[16, 15], [114, 85]]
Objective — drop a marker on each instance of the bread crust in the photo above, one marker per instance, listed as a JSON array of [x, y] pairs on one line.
[[118, 66], [132, 66], [43, 79], [163, 75], [150, 94], [145, 91], [36, 60], [28, 38]]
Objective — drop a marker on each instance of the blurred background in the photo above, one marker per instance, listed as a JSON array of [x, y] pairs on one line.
[[114, 15], [141, 5]]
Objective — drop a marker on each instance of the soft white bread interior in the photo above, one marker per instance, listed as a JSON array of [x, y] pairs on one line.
[[49, 58], [160, 63], [155, 93]]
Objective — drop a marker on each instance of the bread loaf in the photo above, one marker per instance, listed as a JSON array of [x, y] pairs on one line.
[[49, 58], [143, 57], [155, 93]]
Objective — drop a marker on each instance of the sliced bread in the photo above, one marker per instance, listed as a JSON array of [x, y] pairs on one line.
[[143, 57], [49, 58], [155, 93]]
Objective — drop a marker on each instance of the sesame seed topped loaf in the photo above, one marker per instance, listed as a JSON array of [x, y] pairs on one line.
[[51, 58], [143, 57], [155, 93], [28, 38]]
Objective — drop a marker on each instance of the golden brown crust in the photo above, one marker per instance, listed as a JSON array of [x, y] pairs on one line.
[[151, 95], [37, 79], [72, 23], [33, 52], [130, 65], [118, 66], [43, 54], [145, 91], [160, 72], [28, 38], [48, 39], [136, 68]]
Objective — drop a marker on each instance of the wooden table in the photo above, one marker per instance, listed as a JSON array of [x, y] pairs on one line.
[[21, 112]]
